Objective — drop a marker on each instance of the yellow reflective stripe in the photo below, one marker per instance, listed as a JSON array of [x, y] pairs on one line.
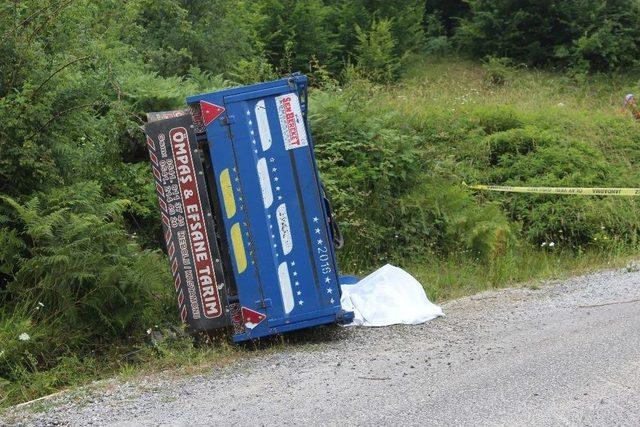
[[238, 247], [579, 191], [227, 193]]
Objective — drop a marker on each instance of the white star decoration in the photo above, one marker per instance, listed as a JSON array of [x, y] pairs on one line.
[[317, 231], [277, 188], [315, 219], [327, 280], [274, 170], [293, 263], [320, 241], [329, 290], [300, 302], [295, 273], [299, 293], [297, 283], [276, 179], [332, 300]]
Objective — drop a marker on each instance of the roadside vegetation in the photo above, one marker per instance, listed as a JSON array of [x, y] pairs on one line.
[[447, 122], [409, 101]]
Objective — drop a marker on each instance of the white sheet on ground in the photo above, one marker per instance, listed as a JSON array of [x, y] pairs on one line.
[[388, 296]]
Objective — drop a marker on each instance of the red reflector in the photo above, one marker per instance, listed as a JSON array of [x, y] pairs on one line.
[[251, 318], [210, 112]]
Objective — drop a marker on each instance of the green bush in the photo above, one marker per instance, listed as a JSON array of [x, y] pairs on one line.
[[365, 164], [392, 201], [439, 217], [497, 70], [394, 164], [75, 279], [549, 156], [517, 142], [375, 55], [495, 119], [589, 35]]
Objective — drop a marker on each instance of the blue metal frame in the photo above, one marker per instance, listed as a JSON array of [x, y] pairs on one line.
[[290, 274]]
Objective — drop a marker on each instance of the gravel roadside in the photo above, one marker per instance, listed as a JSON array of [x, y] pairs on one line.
[[567, 353]]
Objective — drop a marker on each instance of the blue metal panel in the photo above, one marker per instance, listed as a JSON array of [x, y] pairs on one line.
[[273, 213]]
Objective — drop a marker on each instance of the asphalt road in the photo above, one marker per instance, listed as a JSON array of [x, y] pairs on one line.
[[565, 354]]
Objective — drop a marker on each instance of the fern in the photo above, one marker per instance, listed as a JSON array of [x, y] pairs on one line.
[[80, 266]]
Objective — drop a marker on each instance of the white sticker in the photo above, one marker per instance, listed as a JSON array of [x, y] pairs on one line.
[[285, 287], [265, 182], [291, 123], [285, 230], [263, 125], [250, 325]]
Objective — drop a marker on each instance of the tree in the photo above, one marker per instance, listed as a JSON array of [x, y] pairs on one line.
[[595, 35], [375, 52]]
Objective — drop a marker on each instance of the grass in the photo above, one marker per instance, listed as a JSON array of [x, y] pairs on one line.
[[171, 358], [452, 82], [455, 277], [440, 97], [442, 93], [178, 356]]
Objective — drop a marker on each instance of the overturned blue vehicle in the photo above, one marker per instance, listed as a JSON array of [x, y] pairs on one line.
[[248, 228]]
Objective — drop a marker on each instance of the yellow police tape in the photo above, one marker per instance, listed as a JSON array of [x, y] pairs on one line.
[[628, 192]]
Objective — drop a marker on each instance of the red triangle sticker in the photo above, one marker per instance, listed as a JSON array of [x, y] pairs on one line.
[[210, 112], [251, 318]]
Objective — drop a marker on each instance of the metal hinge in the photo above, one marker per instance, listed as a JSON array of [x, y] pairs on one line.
[[228, 120], [264, 303]]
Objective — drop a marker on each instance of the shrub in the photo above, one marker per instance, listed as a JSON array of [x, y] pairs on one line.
[[79, 281], [365, 163], [496, 70], [393, 202], [515, 142], [440, 45], [601, 36], [530, 156], [440, 217], [494, 119], [375, 54]]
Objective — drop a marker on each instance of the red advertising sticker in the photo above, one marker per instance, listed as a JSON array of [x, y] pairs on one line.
[[195, 221], [294, 133]]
